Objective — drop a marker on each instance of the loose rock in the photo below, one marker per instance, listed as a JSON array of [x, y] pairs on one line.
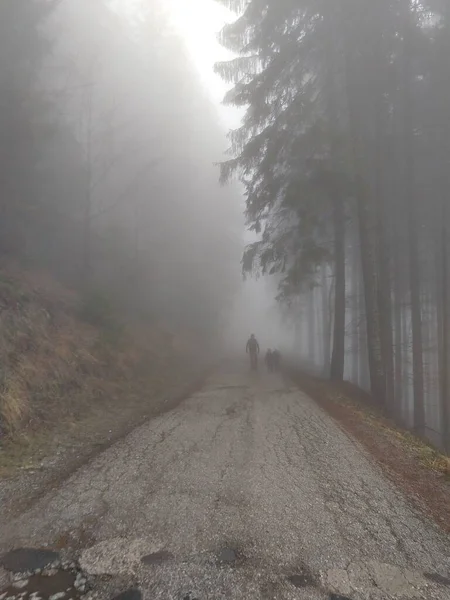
[[50, 572], [57, 596], [20, 584]]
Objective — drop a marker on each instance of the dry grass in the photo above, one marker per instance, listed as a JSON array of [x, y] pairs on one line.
[[57, 372], [425, 453], [44, 350], [413, 465]]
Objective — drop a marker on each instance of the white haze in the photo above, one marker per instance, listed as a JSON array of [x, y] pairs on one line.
[[146, 70]]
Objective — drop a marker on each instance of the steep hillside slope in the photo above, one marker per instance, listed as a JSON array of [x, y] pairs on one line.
[[71, 369]]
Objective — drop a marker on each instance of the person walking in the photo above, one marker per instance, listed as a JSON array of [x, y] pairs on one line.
[[252, 348], [269, 360]]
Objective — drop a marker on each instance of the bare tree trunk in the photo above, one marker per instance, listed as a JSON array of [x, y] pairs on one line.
[[355, 312], [325, 321], [311, 329], [380, 118], [370, 284], [87, 217], [443, 332], [338, 354], [366, 220], [413, 230], [364, 375], [398, 343], [384, 290]]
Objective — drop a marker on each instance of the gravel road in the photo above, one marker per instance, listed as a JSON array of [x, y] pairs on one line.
[[246, 490]]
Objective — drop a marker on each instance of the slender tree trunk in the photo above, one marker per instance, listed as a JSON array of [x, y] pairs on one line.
[[356, 349], [444, 333], [398, 343], [364, 374], [325, 321], [366, 220], [87, 217], [413, 230], [370, 283], [406, 371], [384, 294], [384, 289], [416, 322], [338, 354], [311, 329]]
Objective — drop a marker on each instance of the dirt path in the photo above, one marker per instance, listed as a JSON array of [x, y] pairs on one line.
[[246, 490]]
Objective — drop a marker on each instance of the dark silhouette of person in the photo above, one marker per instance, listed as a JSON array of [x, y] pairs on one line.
[[276, 360], [252, 348], [269, 360]]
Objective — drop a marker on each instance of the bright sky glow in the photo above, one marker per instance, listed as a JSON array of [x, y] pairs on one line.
[[198, 23]]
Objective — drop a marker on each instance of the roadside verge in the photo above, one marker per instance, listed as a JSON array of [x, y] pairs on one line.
[[70, 449], [418, 469]]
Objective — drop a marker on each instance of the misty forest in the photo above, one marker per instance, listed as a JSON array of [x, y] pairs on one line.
[[224, 299], [104, 137], [344, 156], [112, 157]]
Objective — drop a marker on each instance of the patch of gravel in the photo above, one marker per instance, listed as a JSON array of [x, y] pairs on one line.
[[116, 556]]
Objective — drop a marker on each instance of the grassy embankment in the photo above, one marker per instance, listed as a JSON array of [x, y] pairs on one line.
[[71, 373]]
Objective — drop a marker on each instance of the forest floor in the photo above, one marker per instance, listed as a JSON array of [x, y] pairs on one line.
[[419, 469]]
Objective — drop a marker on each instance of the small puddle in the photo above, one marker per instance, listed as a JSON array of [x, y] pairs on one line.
[[60, 586], [227, 555], [303, 577], [22, 560], [131, 594]]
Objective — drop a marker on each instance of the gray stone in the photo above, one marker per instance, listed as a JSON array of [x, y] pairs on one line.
[[50, 572], [4, 578], [21, 583], [79, 583], [19, 576], [337, 581], [58, 596]]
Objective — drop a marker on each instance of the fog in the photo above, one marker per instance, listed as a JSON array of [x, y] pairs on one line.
[[126, 173], [326, 169]]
